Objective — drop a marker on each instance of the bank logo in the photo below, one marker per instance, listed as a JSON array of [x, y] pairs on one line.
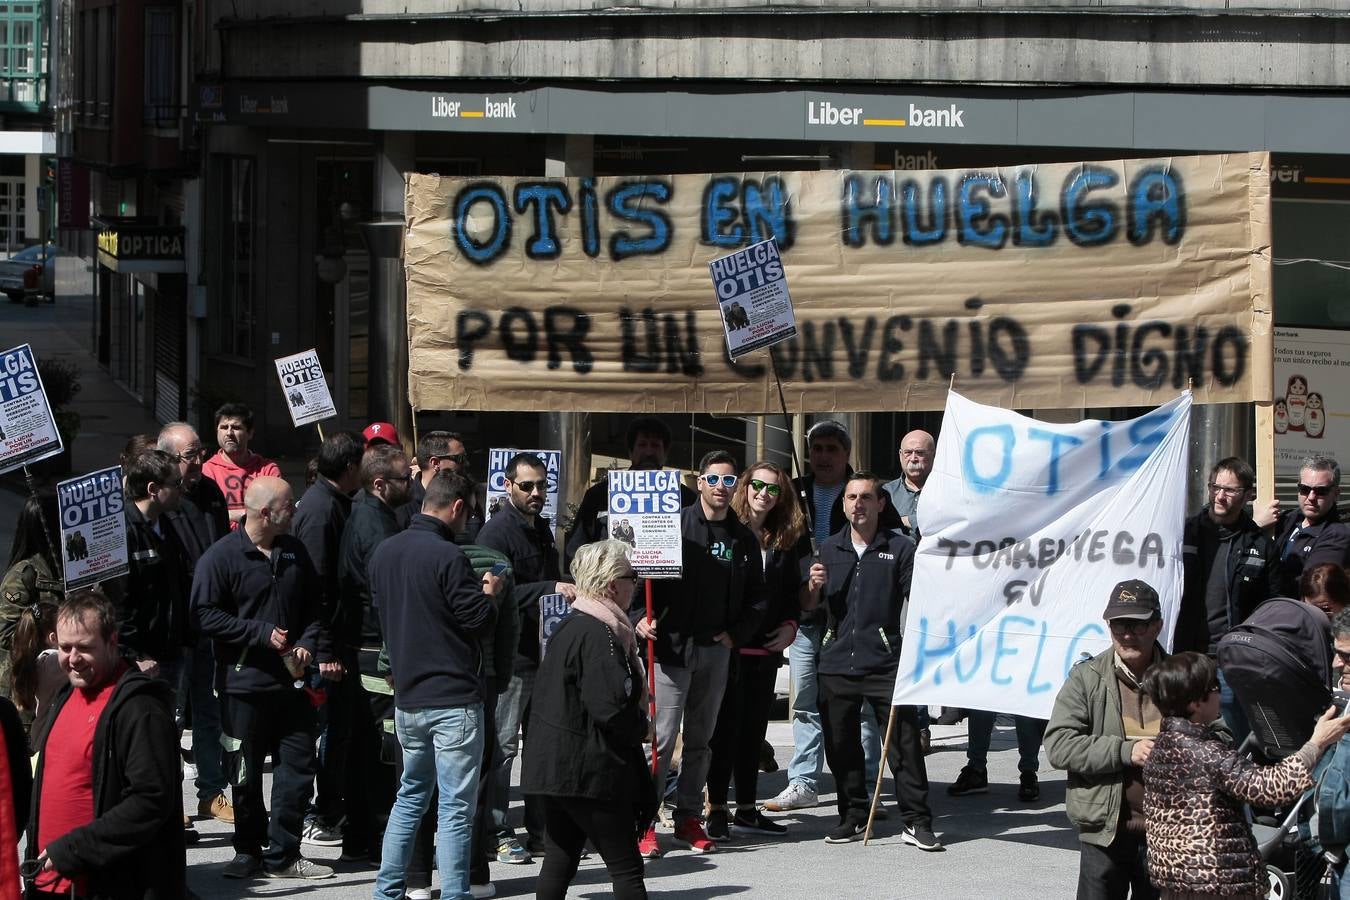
[[825, 112], [443, 107]]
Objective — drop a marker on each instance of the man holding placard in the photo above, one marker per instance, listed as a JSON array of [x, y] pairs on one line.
[[863, 578]]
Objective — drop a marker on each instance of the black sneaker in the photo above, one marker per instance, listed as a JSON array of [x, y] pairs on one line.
[[1030, 788], [970, 781], [921, 836], [243, 866], [755, 821], [715, 826], [848, 830]]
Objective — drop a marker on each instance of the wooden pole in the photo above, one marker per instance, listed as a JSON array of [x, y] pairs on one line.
[[651, 690], [47, 532], [881, 773]]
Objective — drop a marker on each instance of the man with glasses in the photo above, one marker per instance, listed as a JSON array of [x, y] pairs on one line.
[[209, 512], [1230, 568], [354, 630], [697, 619], [445, 450], [916, 462], [521, 533], [1313, 533], [1101, 731]]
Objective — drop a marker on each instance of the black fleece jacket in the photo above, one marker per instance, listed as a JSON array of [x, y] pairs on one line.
[[152, 599], [534, 562], [864, 600], [134, 846], [320, 518]]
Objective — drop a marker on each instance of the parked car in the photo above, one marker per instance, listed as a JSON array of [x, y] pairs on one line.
[[41, 260]]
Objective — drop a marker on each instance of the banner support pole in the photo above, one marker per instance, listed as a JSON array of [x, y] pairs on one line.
[[319, 425], [651, 688], [792, 445], [881, 773], [42, 515]]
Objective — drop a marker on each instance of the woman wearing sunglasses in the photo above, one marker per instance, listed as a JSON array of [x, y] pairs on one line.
[[1199, 842], [764, 501]]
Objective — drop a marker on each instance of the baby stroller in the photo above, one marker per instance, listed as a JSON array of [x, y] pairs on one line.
[[1278, 664]]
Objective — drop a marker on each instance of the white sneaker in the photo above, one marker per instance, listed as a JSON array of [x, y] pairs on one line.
[[794, 796], [483, 890], [418, 893]]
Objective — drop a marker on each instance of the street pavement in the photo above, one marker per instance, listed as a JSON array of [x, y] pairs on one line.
[[997, 847]]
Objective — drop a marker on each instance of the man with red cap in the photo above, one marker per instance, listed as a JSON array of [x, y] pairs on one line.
[[381, 433]]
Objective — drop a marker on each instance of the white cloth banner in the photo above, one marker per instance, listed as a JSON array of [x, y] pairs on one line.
[[1027, 527]]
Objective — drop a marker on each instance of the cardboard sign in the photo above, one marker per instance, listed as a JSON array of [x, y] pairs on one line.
[[553, 608], [27, 427], [498, 495], [93, 527], [1027, 527], [644, 512], [308, 399], [1312, 396], [752, 293], [1049, 286]]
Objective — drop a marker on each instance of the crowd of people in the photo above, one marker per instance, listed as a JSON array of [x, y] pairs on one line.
[[300, 631]]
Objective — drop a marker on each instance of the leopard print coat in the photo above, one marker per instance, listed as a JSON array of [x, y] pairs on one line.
[[1194, 788]]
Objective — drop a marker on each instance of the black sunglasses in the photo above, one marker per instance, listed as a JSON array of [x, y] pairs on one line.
[[529, 487], [1321, 490]]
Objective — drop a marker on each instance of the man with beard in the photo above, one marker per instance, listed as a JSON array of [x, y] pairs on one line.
[[235, 466], [437, 450]]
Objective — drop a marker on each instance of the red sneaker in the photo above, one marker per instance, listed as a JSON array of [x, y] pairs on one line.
[[689, 831], [648, 847]]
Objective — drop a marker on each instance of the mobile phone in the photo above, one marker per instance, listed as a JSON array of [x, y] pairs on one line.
[[498, 570]]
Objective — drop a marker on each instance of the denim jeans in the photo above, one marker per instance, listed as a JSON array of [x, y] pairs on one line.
[[198, 673], [513, 707], [442, 748], [808, 747], [1029, 734]]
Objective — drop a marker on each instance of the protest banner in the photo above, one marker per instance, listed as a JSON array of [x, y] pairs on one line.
[[497, 494], [644, 512], [553, 608], [93, 527], [308, 399], [1051, 286], [752, 294], [1312, 396], [27, 427], [1027, 527]]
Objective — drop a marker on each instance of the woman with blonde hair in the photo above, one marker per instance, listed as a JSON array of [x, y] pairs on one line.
[[764, 501], [588, 719]]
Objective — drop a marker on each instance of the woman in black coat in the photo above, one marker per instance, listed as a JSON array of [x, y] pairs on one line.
[[588, 720]]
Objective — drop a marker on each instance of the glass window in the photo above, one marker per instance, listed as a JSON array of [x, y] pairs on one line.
[[232, 304], [23, 54], [161, 66]]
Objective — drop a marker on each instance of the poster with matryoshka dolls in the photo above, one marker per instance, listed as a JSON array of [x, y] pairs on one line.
[[1312, 400]]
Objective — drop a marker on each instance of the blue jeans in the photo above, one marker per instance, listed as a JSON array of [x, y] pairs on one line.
[[442, 748], [808, 746], [198, 673], [1029, 734], [1232, 712], [512, 716]]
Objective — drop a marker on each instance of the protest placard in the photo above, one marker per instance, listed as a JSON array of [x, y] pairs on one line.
[[497, 493], [308, 399], [553, 608], [27, 427], [93, 527], [752, 293], [644, 513], [1312, 396], [1027, 527]]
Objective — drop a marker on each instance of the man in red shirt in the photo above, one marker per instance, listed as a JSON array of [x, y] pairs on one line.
[[235, 466], [109, 800]]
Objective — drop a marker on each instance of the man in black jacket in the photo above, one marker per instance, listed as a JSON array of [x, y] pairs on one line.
[[437, 450], [432, 610], [520, 532], [715, 605], [115, 830], [863, 577], [1313, 533], [257, 597]]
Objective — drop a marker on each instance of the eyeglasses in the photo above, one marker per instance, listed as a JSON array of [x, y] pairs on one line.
[[1131, 626], [1320, 490], [1225, 490], [173, 484], [772, 490], [918, 453], [529, 487], [458, 459], [192, 455], [712, 479], [398, 478], [1344, 657]]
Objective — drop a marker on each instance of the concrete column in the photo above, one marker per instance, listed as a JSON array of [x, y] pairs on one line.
[[570, 432], [388, 292], [1217, 430]]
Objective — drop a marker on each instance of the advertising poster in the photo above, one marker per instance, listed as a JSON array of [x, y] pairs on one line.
[[644, 513], [497, 495], [302, 382], [1312, 396], [752, 293], [27, 427], [93, 527]]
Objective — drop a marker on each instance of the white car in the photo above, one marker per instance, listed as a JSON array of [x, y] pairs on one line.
[[41, 259]]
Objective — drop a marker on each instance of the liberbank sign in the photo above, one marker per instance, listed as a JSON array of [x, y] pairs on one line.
[[1171, 121]]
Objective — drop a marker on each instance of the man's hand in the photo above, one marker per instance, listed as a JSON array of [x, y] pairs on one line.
[[47, 865], [278, 639], [148, 666], [1265, 512], [302, 656], [724, 639], [1140, 751], [646, 629], [781, 637], [332, 671], [491, 584], [817, 577], [569, 591]]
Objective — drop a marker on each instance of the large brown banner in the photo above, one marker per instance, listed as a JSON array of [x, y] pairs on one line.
[[1047, 286]]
